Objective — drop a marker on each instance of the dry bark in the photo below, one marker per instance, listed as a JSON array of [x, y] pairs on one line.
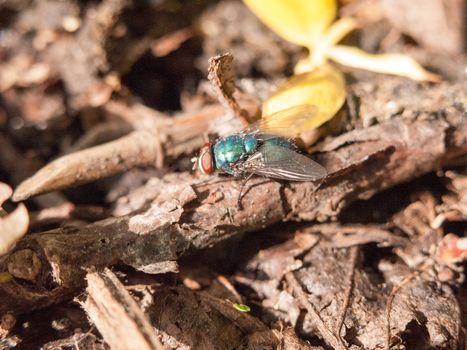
[[200, 321], [175, 317], [186, 216], [117, 315]]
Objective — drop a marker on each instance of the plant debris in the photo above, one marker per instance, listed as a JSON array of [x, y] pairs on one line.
[[110, 240]]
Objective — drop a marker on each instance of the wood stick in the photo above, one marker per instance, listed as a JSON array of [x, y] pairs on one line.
[[139, 148], [361, 163]]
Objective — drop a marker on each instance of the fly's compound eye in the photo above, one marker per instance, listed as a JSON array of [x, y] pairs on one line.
[[205, 161]]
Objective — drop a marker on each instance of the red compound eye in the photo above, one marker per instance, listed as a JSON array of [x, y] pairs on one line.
[[205, 161]]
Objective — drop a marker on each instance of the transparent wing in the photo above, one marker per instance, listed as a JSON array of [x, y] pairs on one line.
[[282, 163], [287, 123]]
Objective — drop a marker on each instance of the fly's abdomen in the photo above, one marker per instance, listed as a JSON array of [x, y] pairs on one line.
[[279, 141]]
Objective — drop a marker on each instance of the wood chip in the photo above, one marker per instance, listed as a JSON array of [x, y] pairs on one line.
[[116, 314]]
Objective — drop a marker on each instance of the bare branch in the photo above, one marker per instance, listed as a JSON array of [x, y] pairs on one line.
[[139, 148], [193, 216]]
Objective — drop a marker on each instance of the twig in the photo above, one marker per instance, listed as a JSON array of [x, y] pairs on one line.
[[348, 235], [93, 163], [360, 163], [348, 291], [229, 286], [222, 80], [101, 133], [314, 314], [139, 148], [168, 43]]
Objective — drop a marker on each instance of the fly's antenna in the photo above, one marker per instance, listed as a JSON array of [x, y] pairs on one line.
[[194, 160]]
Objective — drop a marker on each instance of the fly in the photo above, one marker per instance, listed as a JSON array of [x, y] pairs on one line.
[[264, 148]]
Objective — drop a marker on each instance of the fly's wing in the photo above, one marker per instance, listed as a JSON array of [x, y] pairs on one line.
[[282, 163], [286, 123]]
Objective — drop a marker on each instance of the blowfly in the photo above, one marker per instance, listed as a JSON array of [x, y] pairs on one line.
[[264, 148]]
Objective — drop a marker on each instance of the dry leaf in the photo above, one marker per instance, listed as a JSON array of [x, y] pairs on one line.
[[335, 33], [323, 88], [5, 193], [389, 63], [13, 226], [301, 22], [308, 23]]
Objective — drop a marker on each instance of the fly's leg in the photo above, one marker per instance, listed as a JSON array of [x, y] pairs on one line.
[[205, 182], [319, 185], [210, 181], [241, 193]]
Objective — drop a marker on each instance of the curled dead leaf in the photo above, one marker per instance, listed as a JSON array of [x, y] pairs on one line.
[[13, 226], [308, 23], [335, 33], [389, 63], [323, 88], [5, 193]]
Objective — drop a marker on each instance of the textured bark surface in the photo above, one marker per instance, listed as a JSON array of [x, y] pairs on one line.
[[188, 217], [117, 315]]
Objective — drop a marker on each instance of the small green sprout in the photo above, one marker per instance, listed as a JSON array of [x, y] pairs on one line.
[[241, 307]]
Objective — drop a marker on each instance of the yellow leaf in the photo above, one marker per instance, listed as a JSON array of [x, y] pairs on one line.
[[335, 33], [389, 63], [301, 22], [323, 88]]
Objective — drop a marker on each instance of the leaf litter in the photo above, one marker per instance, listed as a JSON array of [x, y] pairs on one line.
[[93, 93]]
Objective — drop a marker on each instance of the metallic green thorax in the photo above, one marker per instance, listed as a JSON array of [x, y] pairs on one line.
[[232, 149]]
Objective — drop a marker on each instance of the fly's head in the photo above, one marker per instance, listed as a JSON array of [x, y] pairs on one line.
[[205, 160]]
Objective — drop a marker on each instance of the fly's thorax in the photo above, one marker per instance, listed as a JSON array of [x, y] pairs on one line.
[[232, 149], [250, 143], [228, 150]]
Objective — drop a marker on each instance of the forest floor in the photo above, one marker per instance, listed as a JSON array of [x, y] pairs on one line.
[[102, 107]]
